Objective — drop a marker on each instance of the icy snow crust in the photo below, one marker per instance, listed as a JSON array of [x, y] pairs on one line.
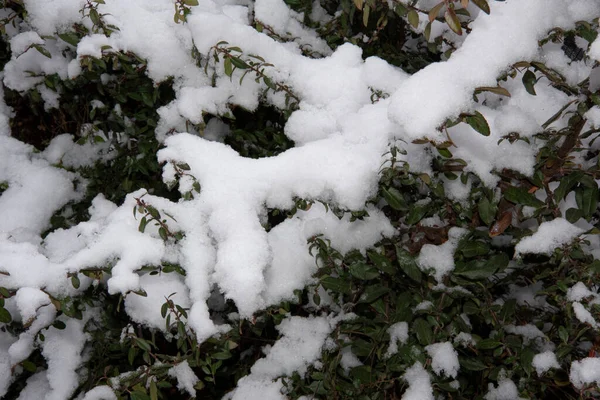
[[340, 138]]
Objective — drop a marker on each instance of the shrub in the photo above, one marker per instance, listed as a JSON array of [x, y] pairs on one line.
[[373, 200]]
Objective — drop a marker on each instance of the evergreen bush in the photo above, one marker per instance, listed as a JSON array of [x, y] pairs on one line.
[[299, 199]]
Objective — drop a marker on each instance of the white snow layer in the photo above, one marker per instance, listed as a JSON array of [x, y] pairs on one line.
[[444, 359], [585, 372], [549, 236], [543, 362], [340, 137]]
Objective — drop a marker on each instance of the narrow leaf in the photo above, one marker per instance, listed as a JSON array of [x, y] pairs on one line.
[[434, 12], [453, 21]]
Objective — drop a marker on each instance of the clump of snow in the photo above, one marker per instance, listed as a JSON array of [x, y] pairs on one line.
[[349, 359], [440, 258], [506, 390], [146, 309], [444, 359], [419, 383], [585, 372], [464, 339], [186, 378], [424, 305], [300, 346], [549, 236], [543, 362], [580, 291], [583, 315], [398, 334], [103, 392]]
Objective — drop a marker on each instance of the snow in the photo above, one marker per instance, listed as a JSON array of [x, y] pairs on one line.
[[543, 362], [299, 347], [398, 334], [583, 315], [339, 137], [464, 339], [349, 359], [444, 359], [579, 291], [584, 372], [440, 259], [100, 393], [419, 383], [549, 236], [506, 390], [186, 378]]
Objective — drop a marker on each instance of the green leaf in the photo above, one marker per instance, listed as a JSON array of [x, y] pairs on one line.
[[131, 355], [508, 310], [482, 269], [70, 37], [444, 152], [59, 325], [472, 364], [381, 262], [366, 10], [453, 21], [372, 293], [573, 215], [190, 3], [163, 309], [567, 183], [362, 375], [521, 196], [29, 366], [416, 213], [228, 67], [394, 199], [413, 18], [363, 271], [588, 201], [473, 248], [153, 390], [483, 5], [143, 344], [563, 334], [487, 210], [362, 348], [239, 63], [75, 281], [223, 355], [435, 11], [477, 121], [408, 265], [423, 331], [336, 284], [529, 80], [153, 212], [488, 344], [5, 316], [142, 226], [493, 89], [42, 50], [163, 233]]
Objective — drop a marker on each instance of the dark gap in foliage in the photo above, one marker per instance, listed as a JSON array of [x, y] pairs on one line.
[[259, 133]]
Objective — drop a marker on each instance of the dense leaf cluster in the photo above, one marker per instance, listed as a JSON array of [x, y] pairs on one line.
[[383, 286]]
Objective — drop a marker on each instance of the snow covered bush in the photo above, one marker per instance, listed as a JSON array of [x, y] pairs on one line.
[[268, 199]]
